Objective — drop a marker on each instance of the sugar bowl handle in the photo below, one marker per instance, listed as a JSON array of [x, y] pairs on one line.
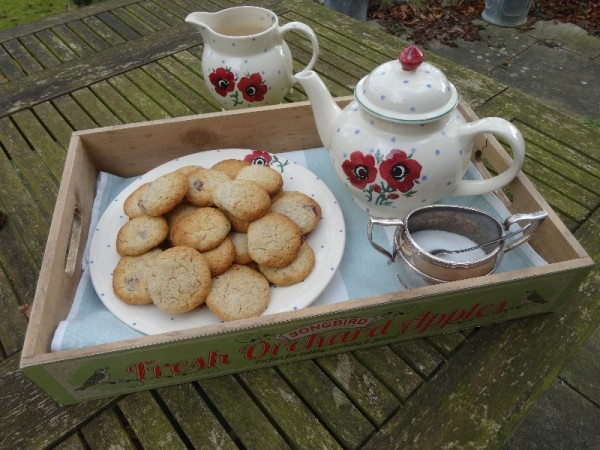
[[511, 135], [397, 235], [533, 220]]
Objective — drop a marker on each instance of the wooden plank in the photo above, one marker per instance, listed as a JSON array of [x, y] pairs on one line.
[[73, 15], [117, 103], [14, 323], [448, 343], [538, 170], [328, 402], [132, 21], [165, 11], [9, 69], [88, 70], [202, 429], [158, 93], [51, 153], [421, 356], [27, 411], [54, 122], [56, 45], [77, 45], [235, 405], [39, 51], [83, 31], [106, 430], [151, 426], [72, 442], [30, 168], [182, 92], [395, 374], [104, 31], [73, 113], [95, 108], [128, 33], [190, 78], [138, 98], [369, 394], [513, 105], [21, 237], [23, 58], [293, 418], [152, 21]]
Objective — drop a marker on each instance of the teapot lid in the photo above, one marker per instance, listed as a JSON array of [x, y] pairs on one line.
[[407, 90]]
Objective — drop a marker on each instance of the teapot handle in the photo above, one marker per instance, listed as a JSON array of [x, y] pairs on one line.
[[299, 26], [512, 136]]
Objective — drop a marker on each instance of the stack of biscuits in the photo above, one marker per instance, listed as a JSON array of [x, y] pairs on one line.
[[219, 236]]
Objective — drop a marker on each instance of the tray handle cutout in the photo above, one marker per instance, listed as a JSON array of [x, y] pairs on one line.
[[75, 234]]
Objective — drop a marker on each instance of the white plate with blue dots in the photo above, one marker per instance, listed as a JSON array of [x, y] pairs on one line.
[[327, 241]]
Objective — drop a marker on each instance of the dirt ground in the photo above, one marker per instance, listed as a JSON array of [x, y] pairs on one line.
[[449, 23]]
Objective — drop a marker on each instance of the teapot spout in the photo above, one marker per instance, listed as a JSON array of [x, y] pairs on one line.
[[324, 107]]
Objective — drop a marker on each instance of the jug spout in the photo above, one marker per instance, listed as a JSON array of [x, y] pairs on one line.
[[324, 107], [201, 20]]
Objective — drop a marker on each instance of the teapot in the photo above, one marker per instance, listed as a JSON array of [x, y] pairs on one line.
[[245, 61], [401, 143]]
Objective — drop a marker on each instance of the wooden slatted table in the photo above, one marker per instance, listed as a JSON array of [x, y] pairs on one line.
[[124, 61]]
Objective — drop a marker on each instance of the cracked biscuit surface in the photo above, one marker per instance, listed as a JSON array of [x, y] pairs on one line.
[[141, 234], [293, 273], [179, 280], [130, 278], [299, 207], [266, 177], [242, 199], [201, 185], [164, 193], [274, 240], [203, 229], [239, 293]]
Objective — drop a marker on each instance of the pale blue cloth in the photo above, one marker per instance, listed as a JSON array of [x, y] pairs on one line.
[[362, 272]]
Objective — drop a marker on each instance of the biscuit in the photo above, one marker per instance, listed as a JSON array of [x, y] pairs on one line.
[[293, 273], [266, 177], [133, 204], [179, 280], [179, 212], [238, 225], [240, 244], [203, 229], [186, 170], [202, 183], [220, 258], [274, 240], [243, 199], [130, 278], [239, 293], [231, 166], [141, 234], [164, 193], [299, 207]]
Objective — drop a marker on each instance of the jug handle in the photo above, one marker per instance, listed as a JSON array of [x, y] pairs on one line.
[[385, 222], [299, 26], [533, 219], [512, 136]]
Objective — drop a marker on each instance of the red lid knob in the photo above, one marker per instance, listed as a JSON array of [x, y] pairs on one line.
[[411, 57]]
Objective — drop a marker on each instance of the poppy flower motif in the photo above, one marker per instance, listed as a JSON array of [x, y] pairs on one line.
[[400, 171], [253, 88], [259, 157], [360, 169], [223, 80]]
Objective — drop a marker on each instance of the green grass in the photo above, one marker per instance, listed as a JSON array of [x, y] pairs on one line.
[[17, 12]]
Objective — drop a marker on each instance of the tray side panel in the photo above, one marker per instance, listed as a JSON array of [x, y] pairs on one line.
[[149, 367]]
